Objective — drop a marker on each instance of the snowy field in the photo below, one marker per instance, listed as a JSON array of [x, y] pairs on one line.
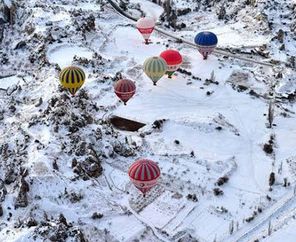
[[216, 125]]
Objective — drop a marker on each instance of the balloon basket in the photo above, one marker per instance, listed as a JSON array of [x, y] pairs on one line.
[[173, 76], [148, 42]]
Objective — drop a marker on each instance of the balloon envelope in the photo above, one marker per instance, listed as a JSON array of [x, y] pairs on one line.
[[72, 78], [124, 89], [173, 59], [144, 174], [145, 26], [155, 67], [206, 42]]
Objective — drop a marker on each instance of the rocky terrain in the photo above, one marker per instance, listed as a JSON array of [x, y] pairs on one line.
[[222, 133]]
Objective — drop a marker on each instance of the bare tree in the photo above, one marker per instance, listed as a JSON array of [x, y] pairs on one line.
[[213, 77], [251, 2], [167, 7], [9, 10], [172, 19], [231, 227], [170, 13], [270, 113], [280, 168], [1, 34], [222, 13], [269, 228], [285, 182], [271, 179], [292, 61], [123, 5]]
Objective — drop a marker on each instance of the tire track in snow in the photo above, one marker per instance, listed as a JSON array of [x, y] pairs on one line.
[[247, 134], [278, 209], [218, 51]]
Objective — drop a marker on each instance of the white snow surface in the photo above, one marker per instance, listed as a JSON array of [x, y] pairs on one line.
[[63, 54]]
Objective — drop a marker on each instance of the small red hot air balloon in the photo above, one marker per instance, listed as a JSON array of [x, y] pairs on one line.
[[146, 26], [173, 59], [144, 174], [124, 89]]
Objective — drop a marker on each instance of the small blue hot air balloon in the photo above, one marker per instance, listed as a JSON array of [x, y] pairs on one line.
[[206, 42]]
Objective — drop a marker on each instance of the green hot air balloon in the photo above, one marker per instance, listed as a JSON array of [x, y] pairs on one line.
[[155, 67]]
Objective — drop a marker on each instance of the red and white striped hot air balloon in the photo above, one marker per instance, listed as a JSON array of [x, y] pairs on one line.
[[146, 26], [124, 89], [144, 174]]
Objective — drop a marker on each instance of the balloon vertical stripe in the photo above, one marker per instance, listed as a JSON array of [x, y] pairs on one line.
[[72, 78], [124, 89], [144, 174], [155, 68]]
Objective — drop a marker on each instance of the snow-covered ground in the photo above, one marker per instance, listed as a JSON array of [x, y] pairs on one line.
[[215, 126]]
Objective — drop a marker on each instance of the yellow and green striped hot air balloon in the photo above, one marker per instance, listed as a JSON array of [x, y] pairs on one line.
[[72, 78], [155, 67]]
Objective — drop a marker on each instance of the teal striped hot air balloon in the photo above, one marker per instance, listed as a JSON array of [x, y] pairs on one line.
[[155, 67]]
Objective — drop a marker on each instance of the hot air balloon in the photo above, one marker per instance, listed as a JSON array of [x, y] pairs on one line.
[[155, 67], [206, 43], [125, 89], [145, 26], [173, 59], [144, 174], [72, 78]]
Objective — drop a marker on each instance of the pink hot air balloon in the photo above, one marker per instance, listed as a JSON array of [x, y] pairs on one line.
[[144, 174], [146, 26]]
